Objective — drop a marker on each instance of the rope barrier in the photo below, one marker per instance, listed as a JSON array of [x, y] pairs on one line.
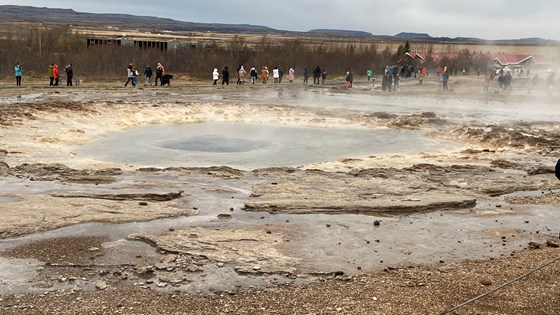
[[501, 286]]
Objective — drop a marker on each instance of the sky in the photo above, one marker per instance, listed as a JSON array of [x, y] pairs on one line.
[[487, 19]]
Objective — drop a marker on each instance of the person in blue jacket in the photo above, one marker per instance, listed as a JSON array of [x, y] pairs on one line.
[[18, 71]]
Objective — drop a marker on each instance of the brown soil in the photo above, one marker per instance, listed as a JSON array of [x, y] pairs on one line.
[[413, 290]]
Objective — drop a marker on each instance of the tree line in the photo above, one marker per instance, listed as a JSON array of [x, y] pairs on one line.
[[37, 48]]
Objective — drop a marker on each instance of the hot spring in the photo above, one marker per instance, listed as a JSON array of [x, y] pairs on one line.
[[249, 145]]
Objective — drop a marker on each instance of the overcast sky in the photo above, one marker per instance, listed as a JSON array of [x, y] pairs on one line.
[[488, 19]]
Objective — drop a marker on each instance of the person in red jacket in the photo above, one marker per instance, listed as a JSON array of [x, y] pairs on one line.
[[55, 74]]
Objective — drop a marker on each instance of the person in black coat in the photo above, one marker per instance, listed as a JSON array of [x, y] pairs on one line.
[[316, 75], [225, 76], [69, 74], [148, 73]]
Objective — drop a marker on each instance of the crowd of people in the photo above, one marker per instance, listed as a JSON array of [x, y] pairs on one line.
[[132, 75], [391, 76]]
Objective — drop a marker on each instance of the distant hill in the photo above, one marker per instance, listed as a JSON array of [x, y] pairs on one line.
[[335, 32], [473, 40], [14, 13], [413, 35]]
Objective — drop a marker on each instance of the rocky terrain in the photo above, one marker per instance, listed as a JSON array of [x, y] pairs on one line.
[[407, 232]]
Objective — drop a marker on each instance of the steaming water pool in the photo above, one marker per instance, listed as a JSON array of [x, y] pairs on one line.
[[248, 146]]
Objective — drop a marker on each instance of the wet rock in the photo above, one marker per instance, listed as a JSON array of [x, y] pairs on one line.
[[224, 216], [376, 223], [553, 244], [143, 203], [121, 197]]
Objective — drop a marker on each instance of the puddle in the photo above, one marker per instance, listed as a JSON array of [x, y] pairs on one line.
[[249, 146]]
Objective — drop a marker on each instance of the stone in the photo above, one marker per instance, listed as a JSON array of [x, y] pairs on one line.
[[224, 216], [101, 285], [533, 245], [164, 266], [169, 258], [376, 223], [144, 269], [485, 282], [553, 244]]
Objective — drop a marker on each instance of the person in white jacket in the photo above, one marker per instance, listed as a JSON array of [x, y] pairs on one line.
[[276, 75], [215, 76]]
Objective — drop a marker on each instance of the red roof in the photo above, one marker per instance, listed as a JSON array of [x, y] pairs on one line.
[[511, 59], [502, 59]]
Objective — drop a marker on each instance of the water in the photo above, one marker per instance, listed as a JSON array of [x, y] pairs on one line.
[[248, 146]]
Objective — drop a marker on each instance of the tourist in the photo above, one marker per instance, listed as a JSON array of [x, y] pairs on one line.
[[305, 76], [129, 74], [135, 76], [396, 79], [280, 74], [51, 75], [316, 75], [323, 76], [148, 73], [507, 80], [69, 74], [225, 76], [215, 76], [487, 79], [18, 71], [445, 78], [237, 73], [369, 73], [56, 74], [421, 76], [291, 74], [241, 75], [349, 79], [389, 71], [160, 71], [264, 75], [275, 74], [254, 75]]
